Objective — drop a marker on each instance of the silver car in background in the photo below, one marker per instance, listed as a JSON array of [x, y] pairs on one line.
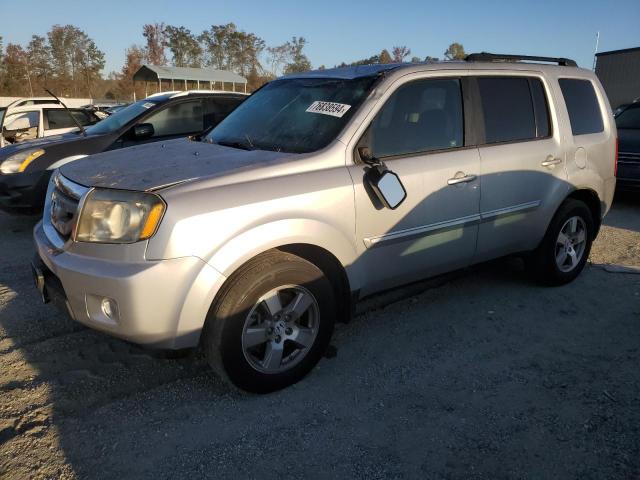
[[323, 188]]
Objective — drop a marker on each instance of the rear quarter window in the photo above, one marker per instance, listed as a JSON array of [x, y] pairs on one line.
[[582, 106]]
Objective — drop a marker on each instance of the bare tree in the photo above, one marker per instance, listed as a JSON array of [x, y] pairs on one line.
[[400, 53]]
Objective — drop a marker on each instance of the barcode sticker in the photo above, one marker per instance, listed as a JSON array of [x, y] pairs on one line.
[[329, 108]]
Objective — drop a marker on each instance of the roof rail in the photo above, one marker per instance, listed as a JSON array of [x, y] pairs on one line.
[[499, 57]]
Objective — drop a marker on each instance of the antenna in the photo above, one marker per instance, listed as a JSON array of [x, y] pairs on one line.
[[596, 50], [84, 132]]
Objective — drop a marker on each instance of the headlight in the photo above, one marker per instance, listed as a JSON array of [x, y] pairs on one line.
[[18, 162], [119, 216]]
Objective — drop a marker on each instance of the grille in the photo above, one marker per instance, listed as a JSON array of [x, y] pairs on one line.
[[64, 202], [628, 157]]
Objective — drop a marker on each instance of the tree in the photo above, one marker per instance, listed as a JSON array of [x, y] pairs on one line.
[[134, 57], [154, 33], [75, 59], [298, 61], [455, 52], [400, 53], [39, 60], [385, 57], [245, 50], [429, 59], [226, 47], [184, 47], [1, 62], [416, 60], [278, 57], [14, 66]]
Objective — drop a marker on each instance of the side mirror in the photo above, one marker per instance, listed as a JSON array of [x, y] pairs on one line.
[[386, 186], [142, 131]]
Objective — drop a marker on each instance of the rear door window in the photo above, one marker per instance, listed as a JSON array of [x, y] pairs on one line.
[[582, 106], [507, 109], [217, 108], [420, 116], [62, 118], [178, 119]]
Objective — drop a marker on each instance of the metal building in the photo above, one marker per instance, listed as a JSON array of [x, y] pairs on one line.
[[184, 78], [619, 72]]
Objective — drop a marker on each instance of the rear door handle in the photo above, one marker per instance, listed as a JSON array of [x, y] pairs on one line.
[[551, 161], [461, 178]]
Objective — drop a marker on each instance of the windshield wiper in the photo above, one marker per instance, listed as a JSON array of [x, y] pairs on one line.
[[240, 145]]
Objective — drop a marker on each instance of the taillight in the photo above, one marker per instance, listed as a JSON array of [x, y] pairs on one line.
[[615, 161]]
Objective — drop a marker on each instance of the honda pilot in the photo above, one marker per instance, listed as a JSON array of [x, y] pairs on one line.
[[323, 188]]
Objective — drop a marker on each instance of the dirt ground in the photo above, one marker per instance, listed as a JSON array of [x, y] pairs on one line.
[[484, 375]]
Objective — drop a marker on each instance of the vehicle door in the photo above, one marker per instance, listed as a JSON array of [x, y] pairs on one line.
[[58, 121], [176, 119], [418, 132], [20, 126], [522, 170]]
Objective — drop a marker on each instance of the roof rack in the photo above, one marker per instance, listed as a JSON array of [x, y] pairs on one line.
[[498, 57]]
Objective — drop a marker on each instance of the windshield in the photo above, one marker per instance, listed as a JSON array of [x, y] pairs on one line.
[[293, 115], [629, 118], [120, 118]]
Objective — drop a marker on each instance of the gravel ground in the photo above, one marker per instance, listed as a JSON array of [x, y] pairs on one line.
[[482, 375]]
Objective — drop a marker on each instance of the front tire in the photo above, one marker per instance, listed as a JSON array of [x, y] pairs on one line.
[[565, 248], [271, 322]]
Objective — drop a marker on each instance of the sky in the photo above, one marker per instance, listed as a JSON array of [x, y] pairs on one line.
[[344, 30]]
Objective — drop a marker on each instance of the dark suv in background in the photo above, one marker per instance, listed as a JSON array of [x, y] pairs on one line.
[[25, 168], [628, 123]]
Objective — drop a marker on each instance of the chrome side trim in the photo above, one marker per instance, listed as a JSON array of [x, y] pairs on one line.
[[509, 210], [402, 235]]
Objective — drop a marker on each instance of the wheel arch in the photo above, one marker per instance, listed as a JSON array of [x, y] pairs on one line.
[[592, 200]]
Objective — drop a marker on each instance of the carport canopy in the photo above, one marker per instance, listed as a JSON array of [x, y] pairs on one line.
[[153, 73]]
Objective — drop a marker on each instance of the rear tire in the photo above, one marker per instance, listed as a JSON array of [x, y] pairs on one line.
[[271, 322], [565, 248]]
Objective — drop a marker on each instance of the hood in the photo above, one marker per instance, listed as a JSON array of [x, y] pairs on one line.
[[42, 142], [629, 140], [160, 164]]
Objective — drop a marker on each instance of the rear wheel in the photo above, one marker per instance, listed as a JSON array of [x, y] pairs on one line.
[[271, 323], [564, 251]]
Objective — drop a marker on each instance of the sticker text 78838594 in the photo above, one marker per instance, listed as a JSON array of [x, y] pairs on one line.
[[329, 108]]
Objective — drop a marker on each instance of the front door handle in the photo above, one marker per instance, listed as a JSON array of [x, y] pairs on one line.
[[551, 161], [460, 177]]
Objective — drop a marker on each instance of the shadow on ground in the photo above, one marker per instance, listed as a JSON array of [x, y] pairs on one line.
[[481, 376]]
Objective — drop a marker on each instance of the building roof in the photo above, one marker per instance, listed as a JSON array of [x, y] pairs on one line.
[[153, 73], [624, 50]]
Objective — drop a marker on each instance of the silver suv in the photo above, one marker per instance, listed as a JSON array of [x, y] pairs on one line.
[[323, 188]]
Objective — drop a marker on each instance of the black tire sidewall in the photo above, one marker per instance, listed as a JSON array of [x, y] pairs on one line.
[[241, 298]]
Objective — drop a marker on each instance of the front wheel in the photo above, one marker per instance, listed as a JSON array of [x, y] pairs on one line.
[[271, 323], [564, 250]]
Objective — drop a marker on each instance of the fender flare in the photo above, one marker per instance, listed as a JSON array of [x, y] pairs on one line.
[[243, 247]]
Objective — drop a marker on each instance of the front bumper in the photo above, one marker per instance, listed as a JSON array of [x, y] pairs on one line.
[[24, 192], [158, 303]]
